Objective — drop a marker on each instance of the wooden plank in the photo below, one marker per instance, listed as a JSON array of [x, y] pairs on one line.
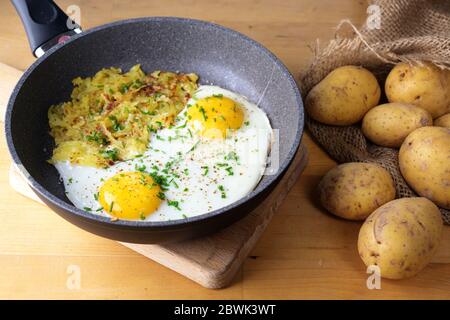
[[213, 261]]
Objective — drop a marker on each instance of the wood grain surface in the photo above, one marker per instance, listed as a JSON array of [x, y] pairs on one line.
[[304, 253]]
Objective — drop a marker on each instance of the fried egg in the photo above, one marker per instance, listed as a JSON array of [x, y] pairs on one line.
[[215, 154]]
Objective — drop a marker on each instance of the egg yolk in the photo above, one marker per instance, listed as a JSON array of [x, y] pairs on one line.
[[130, 195], [216, 116]]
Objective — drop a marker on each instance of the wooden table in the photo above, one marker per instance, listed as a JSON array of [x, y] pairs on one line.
[[305, 253]]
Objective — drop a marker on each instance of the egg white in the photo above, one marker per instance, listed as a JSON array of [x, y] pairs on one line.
[[207, 174]]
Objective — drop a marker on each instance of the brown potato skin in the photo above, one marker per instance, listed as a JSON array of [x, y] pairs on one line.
[[344, 96], [443, 121], [425, 86], [424, 161], [389, 124], [401, 237], [354, 190]]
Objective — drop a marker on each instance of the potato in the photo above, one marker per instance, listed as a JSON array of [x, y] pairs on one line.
[[344, 96], [401, 237], [443, 121], [424, 161], [425, 86], [354, 190], [389, 124]]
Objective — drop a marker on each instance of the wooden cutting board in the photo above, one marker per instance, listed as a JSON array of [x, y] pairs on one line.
[[211, 261]]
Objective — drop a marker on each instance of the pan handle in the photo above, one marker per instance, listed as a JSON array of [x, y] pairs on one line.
[[45, 24]]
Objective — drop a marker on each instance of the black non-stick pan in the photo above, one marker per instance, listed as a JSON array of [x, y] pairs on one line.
[[218, 55]]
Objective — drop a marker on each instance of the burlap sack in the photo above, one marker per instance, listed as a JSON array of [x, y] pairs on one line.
[[410, 31]]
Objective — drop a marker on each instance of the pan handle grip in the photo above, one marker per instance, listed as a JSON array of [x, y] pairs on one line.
[[45, 24]]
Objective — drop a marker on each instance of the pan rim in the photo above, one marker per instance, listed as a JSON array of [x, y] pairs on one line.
[[106, 221]]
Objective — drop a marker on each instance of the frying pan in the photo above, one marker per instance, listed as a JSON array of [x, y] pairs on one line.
[[218, 55]]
